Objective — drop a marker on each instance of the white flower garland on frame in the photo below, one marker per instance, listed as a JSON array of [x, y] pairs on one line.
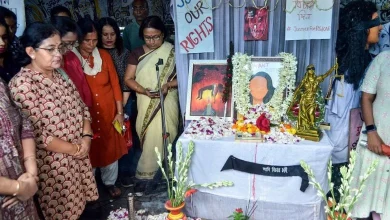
[[279, 103], [242, 70]]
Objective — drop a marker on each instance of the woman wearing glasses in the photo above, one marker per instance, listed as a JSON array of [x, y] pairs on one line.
[[68, 32], [142, 78], [107, 108], [61, 122]]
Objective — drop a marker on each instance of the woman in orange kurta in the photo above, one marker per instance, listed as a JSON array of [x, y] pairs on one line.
[[108, 145]]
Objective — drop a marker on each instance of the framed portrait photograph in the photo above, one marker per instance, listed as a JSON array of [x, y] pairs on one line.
[[264, 79], [205, 90]]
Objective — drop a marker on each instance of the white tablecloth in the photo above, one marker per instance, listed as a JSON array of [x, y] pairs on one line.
[[274, 194]]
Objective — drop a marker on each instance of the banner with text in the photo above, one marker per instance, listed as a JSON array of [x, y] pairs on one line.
[[308, 19], [17, 6], [195, 26]]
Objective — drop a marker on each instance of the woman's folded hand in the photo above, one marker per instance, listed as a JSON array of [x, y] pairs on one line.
[[374, 142]]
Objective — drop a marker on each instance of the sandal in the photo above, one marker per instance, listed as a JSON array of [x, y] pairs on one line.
[[114, 191]]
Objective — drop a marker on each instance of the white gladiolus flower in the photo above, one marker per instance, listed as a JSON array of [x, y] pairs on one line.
[[348, 195]]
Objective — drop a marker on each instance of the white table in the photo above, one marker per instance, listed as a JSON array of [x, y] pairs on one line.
[[277, 197]]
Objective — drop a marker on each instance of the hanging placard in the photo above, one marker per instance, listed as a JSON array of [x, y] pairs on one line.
[[195, 26], [308, 19]]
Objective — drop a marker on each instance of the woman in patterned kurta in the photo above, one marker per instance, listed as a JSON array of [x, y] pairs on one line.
[[376, 110], [61, 125], [106, 108], [13, 129], [16, 146]]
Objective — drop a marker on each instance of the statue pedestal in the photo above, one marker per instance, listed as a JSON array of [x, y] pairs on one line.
[[312, 135]]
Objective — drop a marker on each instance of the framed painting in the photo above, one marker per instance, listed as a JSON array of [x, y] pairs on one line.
[[205, 90], [256, 24], [264, 79]]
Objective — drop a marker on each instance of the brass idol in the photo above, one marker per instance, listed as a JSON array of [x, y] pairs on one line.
[[307, 90]]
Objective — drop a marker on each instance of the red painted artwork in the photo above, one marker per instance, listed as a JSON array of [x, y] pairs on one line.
[[207, 86], [256, 23]]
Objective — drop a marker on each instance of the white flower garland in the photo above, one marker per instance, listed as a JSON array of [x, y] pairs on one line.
[[278, 104], [209, 128], [122, 214], [277, 136], [242, 71]]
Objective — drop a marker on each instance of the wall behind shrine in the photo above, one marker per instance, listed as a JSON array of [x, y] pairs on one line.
[[120, 10]]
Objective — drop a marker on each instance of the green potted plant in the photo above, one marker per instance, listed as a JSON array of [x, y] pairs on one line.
[[349, 196], [179, 186], [238, 214]]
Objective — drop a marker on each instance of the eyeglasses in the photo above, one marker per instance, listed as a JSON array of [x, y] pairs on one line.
[[139, 8], [70, 45], [154, 38], [52, 51], [311, 68]]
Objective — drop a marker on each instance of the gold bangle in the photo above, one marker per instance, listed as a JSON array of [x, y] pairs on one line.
[[78, 148], [17, 188], [120, 113]]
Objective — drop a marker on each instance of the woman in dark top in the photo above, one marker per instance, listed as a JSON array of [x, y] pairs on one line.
[[7, 67], [110, 39]]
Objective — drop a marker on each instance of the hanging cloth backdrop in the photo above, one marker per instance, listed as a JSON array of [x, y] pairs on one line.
[[229, 26]]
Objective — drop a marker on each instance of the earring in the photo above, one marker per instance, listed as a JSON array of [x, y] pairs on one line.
[[32, 57]]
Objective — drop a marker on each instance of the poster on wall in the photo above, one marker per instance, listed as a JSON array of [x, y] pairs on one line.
[[195, 26], [256, 23], [308, 19], [16, 6], [205, 90]]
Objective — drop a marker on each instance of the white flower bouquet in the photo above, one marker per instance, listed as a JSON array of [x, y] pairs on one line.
[[348, 196], [179, 185]]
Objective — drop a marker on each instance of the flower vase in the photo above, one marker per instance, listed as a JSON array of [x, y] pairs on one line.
[[175, 213], [336, 213]]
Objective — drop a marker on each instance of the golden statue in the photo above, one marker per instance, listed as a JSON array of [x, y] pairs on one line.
[[306, 127]]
